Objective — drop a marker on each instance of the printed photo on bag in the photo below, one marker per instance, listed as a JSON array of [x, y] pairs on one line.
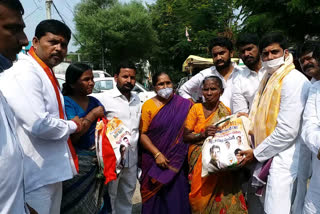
[[118, 136], [222, 150]]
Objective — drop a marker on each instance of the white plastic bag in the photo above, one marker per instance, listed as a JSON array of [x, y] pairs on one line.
[[220, 152]]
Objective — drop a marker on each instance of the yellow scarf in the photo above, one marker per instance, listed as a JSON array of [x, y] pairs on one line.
[[266, 104]]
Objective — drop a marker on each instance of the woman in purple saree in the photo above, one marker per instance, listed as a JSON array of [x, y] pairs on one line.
[[164, 183]]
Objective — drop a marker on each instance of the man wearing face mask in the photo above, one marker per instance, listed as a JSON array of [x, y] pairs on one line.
[[122, 103], [247, 82], [275, 125], [222, 50], [308, 199]]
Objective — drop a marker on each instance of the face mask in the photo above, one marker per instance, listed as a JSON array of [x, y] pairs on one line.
[[274, 64], [165, 93]]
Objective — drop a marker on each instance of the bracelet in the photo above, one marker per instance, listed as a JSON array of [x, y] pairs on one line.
[[87, 120], [157, 155]]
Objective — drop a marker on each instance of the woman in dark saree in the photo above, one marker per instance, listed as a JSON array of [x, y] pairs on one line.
[[164, 184], [83, 193]]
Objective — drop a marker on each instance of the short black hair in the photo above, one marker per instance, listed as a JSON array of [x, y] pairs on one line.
[[73, 73], [216, 78], [125, 64], [221, 41], [308, 47], [156, 76], [246, 39], [13, 5], [53, 26], [274, 37]]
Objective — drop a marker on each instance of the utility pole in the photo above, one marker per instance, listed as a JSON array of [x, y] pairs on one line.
[[48, 8], [102, 51]]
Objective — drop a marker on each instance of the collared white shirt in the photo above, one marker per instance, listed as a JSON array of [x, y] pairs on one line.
[[244, 89], [43, 135], [310, 135], [129, 112], [192, 88], [11, 164]]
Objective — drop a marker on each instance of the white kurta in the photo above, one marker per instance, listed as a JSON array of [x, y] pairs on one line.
[[43, 135], [284, 144], [192, 88], [311, 137], [304, 174], [129, 112], [11, 164], [244, 89]]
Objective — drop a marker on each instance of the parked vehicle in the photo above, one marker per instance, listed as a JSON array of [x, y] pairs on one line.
[[61, 79], [100, 73], [102, 85]]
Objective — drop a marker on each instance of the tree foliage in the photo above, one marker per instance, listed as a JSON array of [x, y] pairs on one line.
[[157, 32], [119, 31], [203, 20], [295, 18]]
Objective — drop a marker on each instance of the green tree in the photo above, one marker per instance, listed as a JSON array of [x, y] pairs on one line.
[[115, 31], [296, 18], [203, 19]]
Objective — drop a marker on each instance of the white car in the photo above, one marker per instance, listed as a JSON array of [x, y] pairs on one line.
[[102, 85], [61, 79]]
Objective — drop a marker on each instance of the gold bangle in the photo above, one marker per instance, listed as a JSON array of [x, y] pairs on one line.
[[157, 155]]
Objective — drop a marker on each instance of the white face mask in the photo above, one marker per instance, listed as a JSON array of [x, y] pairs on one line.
[[165, 92], [273, 65]]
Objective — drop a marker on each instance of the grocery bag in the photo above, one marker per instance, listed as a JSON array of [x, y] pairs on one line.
[[112, 141], [221, 151]]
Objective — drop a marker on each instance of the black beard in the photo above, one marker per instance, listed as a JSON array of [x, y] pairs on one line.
[[124, 89], [308, 66], [252, 64], [225, 65]]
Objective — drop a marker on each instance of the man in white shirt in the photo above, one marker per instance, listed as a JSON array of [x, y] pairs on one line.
[[122, 103], [12, 38], [32, 93], [308, 200], [222, 50], [246, 84], [282, 145]]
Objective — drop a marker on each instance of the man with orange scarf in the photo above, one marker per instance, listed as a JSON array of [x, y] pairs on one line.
[[33, 94], [276, 117]]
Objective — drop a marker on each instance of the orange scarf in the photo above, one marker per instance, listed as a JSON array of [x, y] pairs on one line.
[[74, 158]]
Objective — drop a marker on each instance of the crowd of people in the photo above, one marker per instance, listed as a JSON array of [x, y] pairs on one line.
[[48, 162]]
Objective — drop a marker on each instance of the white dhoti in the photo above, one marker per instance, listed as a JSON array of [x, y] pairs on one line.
[[280, 190], [46, 199], [122, 189]]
